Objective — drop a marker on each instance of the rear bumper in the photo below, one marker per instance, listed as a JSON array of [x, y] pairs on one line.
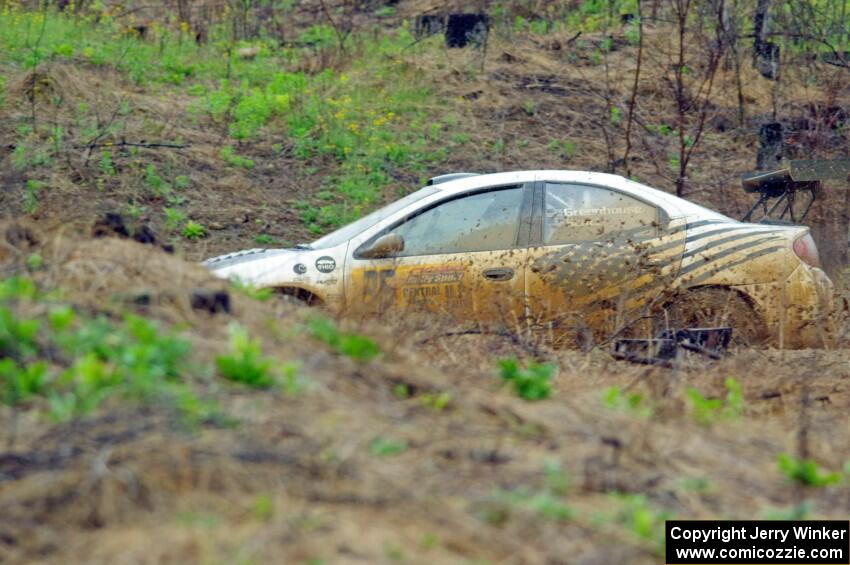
[[807, 304]]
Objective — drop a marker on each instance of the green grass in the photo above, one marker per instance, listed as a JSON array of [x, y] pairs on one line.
[[132, 359], [531, 382], [370, 120], [356, 346]]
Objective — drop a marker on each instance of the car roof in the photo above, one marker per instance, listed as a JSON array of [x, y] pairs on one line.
[[673, 205]]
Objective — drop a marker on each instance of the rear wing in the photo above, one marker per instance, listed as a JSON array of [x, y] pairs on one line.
[[793, 188]]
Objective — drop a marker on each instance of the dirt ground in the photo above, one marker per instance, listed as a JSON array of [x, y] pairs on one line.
[[469, 472], [484, 476]]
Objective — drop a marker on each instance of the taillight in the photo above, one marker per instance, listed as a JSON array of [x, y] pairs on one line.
[[806, 250]]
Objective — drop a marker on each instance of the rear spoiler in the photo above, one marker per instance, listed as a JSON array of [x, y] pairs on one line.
[[785, 183]]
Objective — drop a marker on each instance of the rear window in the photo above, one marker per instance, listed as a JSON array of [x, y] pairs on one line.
[[577, 213]]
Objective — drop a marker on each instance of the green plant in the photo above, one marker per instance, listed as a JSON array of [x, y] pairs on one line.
[[800, 511], [707, 410], [529, 383], [263, 239], [18, 288], [181, 182], [105, 164], [805, 471], [435, 401], [35, 261], [229, 156], [352, 345], [564, 147], [556, 479], [30, 197], [17, 335], [642, 518], [173, 218], [156, 183], [382, 447], [263, 508], [614, 398], [21, 382], [194, 230], [245, 364], [291, 382], [546, 502]]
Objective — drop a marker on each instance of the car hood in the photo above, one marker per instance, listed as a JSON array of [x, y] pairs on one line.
[[259, 267], [258, 254], [281, 267]]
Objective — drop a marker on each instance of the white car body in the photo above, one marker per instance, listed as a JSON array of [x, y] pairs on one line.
[[691, 247]]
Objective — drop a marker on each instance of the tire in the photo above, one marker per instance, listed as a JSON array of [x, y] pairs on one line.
[[714, 307]]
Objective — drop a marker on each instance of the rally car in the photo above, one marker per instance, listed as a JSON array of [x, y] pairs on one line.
[[557, 251]]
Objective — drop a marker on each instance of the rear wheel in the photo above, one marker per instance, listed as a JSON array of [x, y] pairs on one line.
[[714, 307]]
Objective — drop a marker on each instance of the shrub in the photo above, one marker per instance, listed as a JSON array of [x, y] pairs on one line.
[[194, 230], [21, 382], [529, 383], [17, 335], [245, 364]]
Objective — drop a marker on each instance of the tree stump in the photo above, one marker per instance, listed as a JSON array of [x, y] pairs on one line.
[[463, 29]]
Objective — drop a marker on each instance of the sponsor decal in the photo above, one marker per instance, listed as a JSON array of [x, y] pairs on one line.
[[300, 268], [325, 264], [433, 283], [434, 275]]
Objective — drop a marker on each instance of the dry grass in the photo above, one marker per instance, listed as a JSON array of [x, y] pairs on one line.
[[296, 479]]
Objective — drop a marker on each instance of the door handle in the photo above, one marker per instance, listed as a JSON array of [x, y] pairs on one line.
[[499, 274]]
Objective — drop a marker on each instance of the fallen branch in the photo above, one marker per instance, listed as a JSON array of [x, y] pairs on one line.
[[124, 143], [515, 339]]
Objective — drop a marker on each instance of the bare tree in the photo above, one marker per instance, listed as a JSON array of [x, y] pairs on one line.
[[693, 83], [633, 99]]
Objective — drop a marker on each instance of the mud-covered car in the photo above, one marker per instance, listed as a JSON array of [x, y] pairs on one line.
[[563, 252]]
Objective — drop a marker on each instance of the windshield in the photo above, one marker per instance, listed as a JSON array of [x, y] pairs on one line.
[[345, 233]]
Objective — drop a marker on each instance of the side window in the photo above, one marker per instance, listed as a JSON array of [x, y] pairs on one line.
[[486, 221], [577, 213]]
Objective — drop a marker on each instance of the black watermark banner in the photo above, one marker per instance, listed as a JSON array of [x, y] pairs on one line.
[[765, 542]]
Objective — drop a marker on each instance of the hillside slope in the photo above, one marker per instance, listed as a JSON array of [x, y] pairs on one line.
[[401, 449]]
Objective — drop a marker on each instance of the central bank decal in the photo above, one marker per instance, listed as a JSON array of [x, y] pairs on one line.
[[433, 283]]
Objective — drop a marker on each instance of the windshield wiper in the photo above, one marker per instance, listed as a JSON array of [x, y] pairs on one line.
[[302, 246]]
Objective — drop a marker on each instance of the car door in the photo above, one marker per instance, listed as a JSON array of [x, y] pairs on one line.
[[597, 256], [463, 258]]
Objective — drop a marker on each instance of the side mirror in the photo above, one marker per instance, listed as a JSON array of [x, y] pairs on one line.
[[385, 246]]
